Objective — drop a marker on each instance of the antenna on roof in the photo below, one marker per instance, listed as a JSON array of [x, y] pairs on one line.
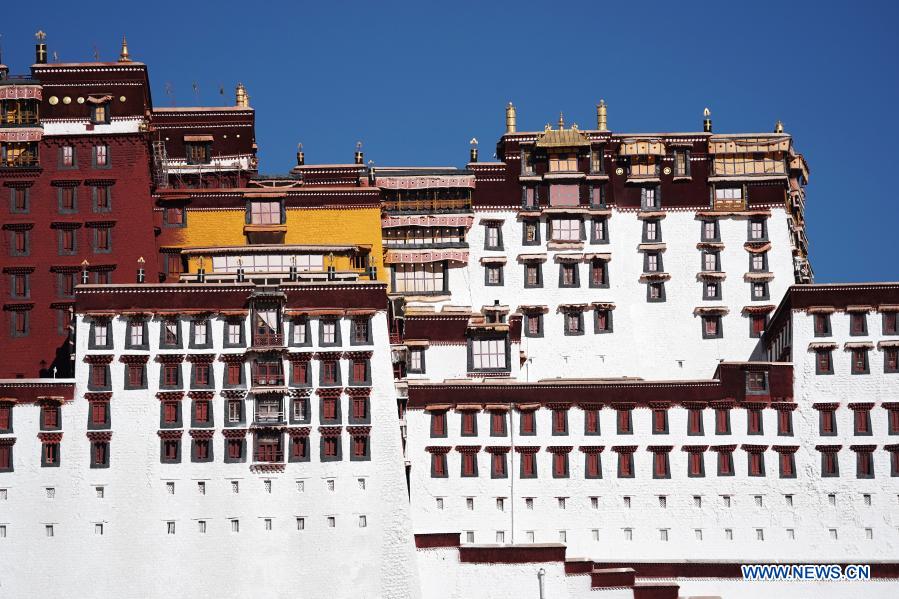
[[196, 88], [96, 54]]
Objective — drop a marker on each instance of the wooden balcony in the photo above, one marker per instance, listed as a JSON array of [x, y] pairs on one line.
[[268, 340], [264, 454], [429, 205]]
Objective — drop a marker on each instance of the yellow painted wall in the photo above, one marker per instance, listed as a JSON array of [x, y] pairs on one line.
[[354, 226]]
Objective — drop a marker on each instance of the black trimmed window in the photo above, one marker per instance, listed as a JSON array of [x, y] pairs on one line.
[[268, 212], [198, 152], [652, 230], [710, 230], [493, 275], [489, 354], [711, 326], [416, 364], [599, 230], [757, 229], [533, 325], [493, 236], [602, 321], [530, 232], [99, 113], [651, 197], [569, 276], [711, 290], [533, 275], [573, 322], [655, 292]]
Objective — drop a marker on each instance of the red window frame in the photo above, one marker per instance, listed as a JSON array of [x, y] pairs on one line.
[[360, 408], [329, 446], [438, 424], [529, 422], [560, 421], [360, 370], [498, 424], [591, 421], [759, 321], [268, 450], [301, 373], [857, 321], [50, 416], [5, 417], [235, 373], [821, 325], [329, 408], [469, 463], [135, 375], [893, 416], [710, 324], [201, 448], [891, 359], [829, 463], [498, 464], [170, 448], [5, 457], [593, 465], [786, 464], [329, 372], [625, 422], [468, 423], [828, 420], [890, 323], [625, 465], [99, 412], [725, 463], [103, 237], [598, 273], [299, 447], [602, 320], [235, 449], [201, 410], [51, 452], [694, 463], [862, 421], [784, 422], [660, 464], [201, 374], [659, 420], [438, 465], [98, 375], [360, 446], [755, 463], [101, 452], [170, 412], [694, 421], [754, 421], [560, 464], [528, 465], [859, 361], [171, 374]]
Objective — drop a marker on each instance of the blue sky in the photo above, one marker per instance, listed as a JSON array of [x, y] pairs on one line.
[[416, 80]]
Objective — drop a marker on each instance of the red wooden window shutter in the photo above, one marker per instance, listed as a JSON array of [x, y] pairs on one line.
[[659, 418], [861, 421], [5, 412], [330, 446], [468, 423], [830, 462], [592, 464], [135, 375], [661, 463], [301, 373], [527, 422], [592, 424], [785, 422], [359, 405], [234, 448], [100, 452], [695, 463], [625, 463], [894, 421], [360, 368], [498, 423], [527, 464], [755, 463], [468, 462], [560, 421], [201, 409], [235, 370], [695, 421], [499, 464], [329, 408], [786, 464], [170, 409], [51, 416], [298, 447], [559, 463], [98, 375], [438, 424], [329, 372], [755, 420], [359, 446], [437, 464], [4, 457], [724, 459], [98, 412], [202, 374], [170, 374], [202, 448], [820, 324], [827, 417], [624, 420]]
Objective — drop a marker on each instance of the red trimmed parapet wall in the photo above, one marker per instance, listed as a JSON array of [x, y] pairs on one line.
[[730, 385], [450, 328], [33, 390], [208, 297]]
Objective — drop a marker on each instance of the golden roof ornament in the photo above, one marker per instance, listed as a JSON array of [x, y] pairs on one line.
[[779, 126], [40, 36], [241, 99], [561, 121], [510, 118], [124, 56], [602, 116]]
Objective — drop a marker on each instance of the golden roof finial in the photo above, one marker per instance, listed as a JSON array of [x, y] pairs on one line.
[[40, 36], [706, 112], [124, 56], [707, 120], [779, 126], [602, 116], [561, 121], [510, 118], [242, 100]]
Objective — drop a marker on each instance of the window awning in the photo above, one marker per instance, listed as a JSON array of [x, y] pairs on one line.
[[641, 147], [427, 220], [21, 92], [748, 145], [21, 134], [197, 138], [400, 257]]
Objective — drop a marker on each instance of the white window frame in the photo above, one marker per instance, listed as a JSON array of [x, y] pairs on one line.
[[565, 229], [488, 354], [265, 212]]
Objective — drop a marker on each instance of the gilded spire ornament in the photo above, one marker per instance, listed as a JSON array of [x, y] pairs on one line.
[[124, 56]]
